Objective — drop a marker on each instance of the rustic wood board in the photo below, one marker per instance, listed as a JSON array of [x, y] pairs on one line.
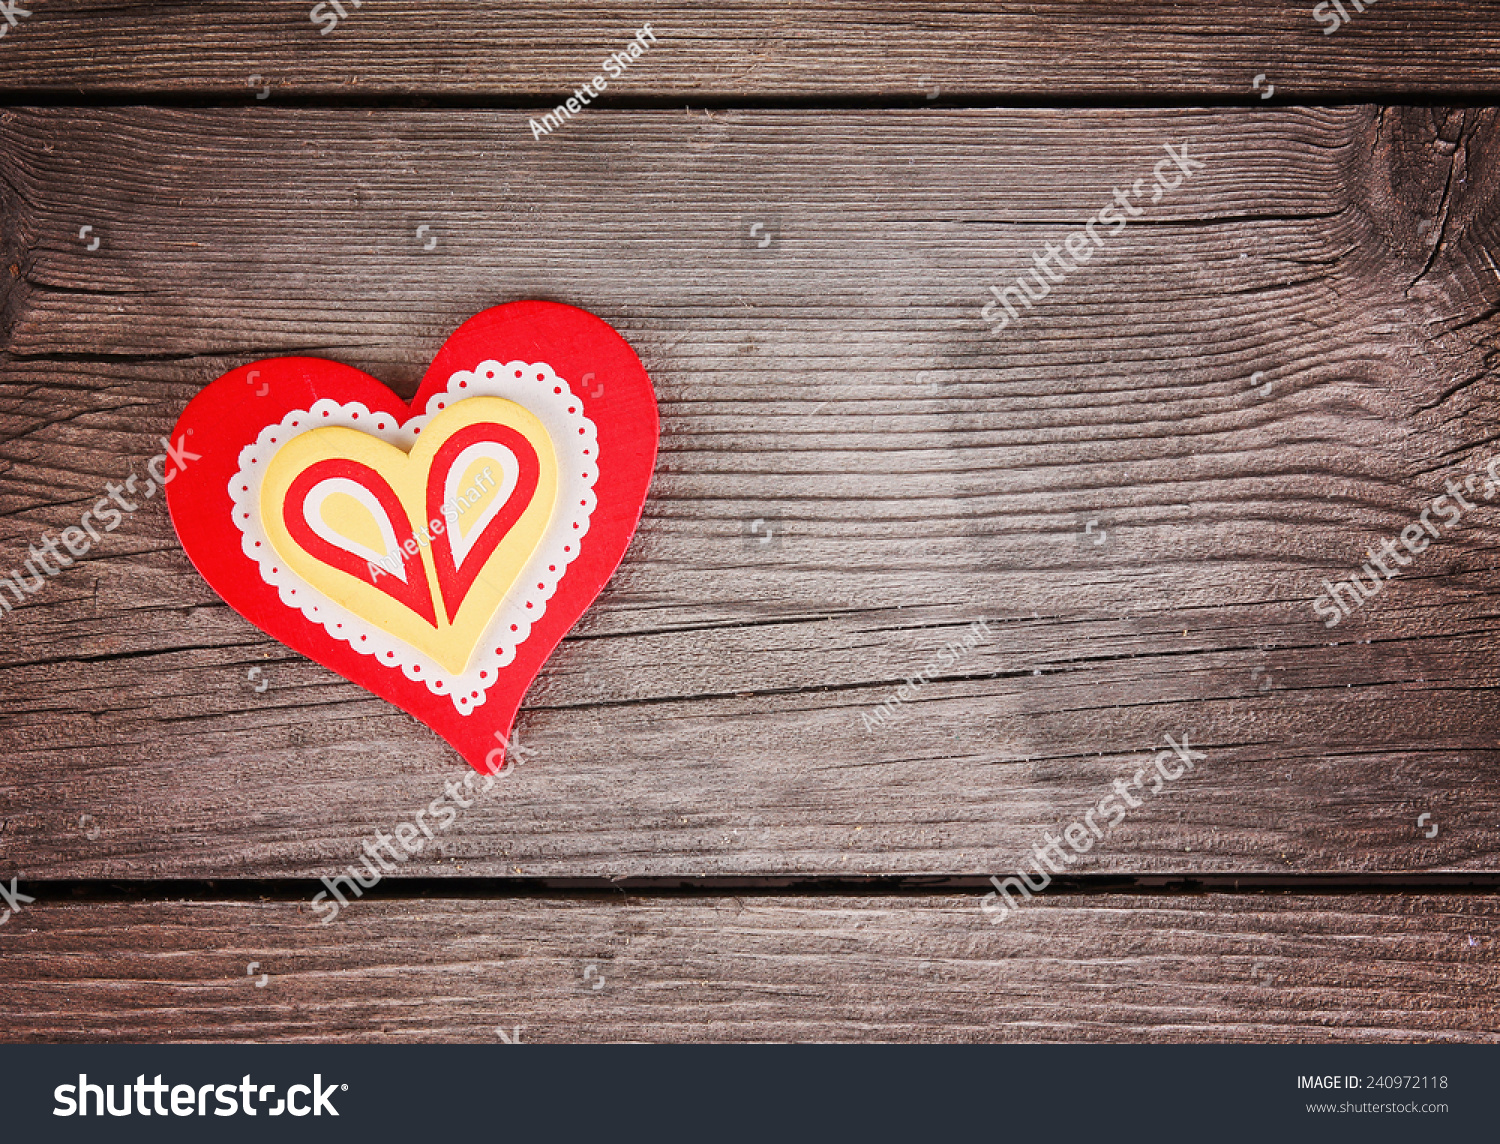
[[1055, 51], [705, 718], [1112, 967]]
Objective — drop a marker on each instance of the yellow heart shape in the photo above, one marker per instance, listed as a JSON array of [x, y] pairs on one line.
[[454, 520]]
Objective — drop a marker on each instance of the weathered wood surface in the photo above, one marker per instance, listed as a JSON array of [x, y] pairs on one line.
[[918, 474], [1217, 967], [1054, 51]]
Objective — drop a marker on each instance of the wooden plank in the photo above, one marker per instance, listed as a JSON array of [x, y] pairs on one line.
[[921, 473], [1055, 50], [1209, 968]]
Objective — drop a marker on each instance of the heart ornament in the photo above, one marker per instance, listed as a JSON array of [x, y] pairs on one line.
[[434, 553]]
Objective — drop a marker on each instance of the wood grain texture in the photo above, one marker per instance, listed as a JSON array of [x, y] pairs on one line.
[[704, 719], [1210, 968], [1055, 50]]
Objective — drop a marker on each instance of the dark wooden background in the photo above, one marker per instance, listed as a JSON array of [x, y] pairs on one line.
[[705, 820]]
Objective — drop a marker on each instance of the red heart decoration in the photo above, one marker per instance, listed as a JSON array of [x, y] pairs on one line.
[[307, 475]]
